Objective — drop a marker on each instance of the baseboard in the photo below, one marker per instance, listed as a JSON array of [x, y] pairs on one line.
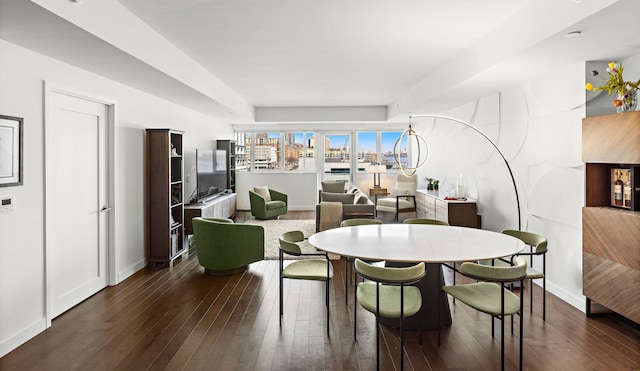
[[126, 273], [577, 301], [22, 337], [302, 208]]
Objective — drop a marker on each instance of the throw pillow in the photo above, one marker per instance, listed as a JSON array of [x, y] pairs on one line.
[[399, 192], [264, 192], [333, 187], [352, 189], [345, 198]]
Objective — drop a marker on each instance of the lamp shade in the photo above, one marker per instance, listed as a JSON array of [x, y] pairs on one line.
[[377, 169]]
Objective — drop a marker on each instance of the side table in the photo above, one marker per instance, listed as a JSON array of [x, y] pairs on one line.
[[378, 192]]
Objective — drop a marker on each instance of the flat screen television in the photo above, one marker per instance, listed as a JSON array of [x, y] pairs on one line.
[[211, 173]]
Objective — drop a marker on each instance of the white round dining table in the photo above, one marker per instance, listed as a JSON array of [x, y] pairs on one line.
[[416, 243], [410, 243]]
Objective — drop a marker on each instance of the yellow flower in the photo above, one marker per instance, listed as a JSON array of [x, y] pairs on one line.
[[615, 82]]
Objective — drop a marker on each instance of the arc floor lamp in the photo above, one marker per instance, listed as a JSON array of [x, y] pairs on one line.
[[513, 180]]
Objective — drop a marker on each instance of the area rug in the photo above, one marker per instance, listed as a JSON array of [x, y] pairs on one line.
[[274, 228]]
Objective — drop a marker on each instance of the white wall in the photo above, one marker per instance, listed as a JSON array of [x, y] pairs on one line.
[[538, 127], [22, 73]]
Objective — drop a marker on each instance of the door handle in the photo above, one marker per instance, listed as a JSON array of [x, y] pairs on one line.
[[105, 209]]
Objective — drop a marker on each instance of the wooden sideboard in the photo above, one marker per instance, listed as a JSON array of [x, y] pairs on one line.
[[223, 206], [610, 235], [431, 205]]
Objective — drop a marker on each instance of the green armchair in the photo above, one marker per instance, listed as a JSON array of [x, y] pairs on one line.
[[267, 203], [225, 247]]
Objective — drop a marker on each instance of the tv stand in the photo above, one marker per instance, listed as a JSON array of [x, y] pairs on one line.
[[222, 206]]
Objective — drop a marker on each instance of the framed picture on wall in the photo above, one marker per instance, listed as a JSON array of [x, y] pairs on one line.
[[10, 151]]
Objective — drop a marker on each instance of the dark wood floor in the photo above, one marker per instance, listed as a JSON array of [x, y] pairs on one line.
[[179, 318]]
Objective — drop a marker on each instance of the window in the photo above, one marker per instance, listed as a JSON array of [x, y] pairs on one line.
[[337, 157], [367, 151], [295, 151], [265, 150], [389, 139], [298, 152]]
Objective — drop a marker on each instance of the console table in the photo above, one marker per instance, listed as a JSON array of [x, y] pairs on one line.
[[223, 206], [431, 205]]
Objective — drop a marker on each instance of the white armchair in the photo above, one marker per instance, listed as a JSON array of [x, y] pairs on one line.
[[402, 197]]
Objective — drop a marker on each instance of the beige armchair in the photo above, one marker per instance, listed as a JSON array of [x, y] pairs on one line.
[[402, 198]]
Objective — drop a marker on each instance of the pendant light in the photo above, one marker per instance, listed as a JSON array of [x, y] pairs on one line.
[[415, 144]]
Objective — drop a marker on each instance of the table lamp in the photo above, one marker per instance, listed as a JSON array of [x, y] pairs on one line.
[[377, 170]]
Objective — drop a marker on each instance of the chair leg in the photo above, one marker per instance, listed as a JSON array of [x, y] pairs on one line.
[[521, 329], [328, 306], [544, 298], [454, 279], [544, 287], [530, 296], [502, 328], [346, 280], [401, 327], [439, 319], [280, 273], [355, 311], [281, 301], [355, 305], [377, 327]]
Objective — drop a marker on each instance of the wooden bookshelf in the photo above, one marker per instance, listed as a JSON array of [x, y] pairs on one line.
[[165, 193]]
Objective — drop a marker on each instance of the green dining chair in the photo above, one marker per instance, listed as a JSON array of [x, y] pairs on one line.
[[348, 260], [537, 246], [424, 221], [385, 292], [319, 269], [491, 295]]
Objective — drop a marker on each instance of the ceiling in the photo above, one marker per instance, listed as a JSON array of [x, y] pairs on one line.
[[232, 58]]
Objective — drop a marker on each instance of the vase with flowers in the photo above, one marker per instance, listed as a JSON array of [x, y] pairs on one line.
[[626, 91]]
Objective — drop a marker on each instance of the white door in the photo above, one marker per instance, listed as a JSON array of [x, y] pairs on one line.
[[76, 200]]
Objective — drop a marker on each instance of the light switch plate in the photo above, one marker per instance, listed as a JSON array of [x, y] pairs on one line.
[[6, 204]]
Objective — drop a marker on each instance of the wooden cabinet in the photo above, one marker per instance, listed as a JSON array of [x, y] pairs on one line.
[[431, 205], [230, 147], [223, 206], [610, 236], [164, 195]]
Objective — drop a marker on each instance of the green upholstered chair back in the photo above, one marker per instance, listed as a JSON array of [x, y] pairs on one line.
[[289, 242], [223, 244], [424, 221], [496, 273], [538, 242], [262, 208], [390, 275], [358, 221]]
